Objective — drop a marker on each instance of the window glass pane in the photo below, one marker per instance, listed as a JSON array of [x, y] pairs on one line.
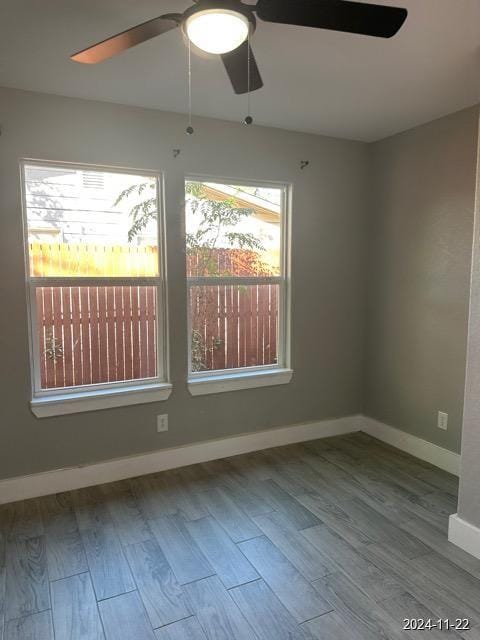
[[89, 335], [91, 223], [233, 230], [233, 326]]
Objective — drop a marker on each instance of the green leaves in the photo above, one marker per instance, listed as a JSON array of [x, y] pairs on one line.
[[138, 189], [244, 240], [217, 220], [141, 214], [144, 210]]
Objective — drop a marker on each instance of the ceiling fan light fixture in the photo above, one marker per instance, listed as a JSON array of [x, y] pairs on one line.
[[217, 30]]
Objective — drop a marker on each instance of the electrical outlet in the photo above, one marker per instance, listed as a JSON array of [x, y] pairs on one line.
[[442, 420], [162, 423]]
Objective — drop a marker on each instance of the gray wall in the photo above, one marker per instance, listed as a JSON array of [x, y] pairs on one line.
[[469, 495], [397, 353], [423, 185], [329, 224]]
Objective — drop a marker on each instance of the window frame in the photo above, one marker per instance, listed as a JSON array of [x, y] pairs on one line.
[[108, 391], [280, 372]]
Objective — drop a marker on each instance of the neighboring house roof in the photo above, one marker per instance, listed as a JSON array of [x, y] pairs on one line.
[[263, 209]]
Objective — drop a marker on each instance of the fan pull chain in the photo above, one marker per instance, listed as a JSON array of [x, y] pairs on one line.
[[248, 119], [189, 128]]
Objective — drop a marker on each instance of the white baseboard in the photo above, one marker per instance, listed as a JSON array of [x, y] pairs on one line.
[[438, 456], [464, 535], [40, 484], [49, 482]]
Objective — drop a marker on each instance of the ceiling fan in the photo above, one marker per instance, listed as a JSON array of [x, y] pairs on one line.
[[224, 27]]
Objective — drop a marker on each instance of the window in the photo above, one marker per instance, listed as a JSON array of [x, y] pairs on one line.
[[96, 287], [237, 275]]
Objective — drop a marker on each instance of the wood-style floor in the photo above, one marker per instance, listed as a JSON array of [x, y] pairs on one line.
[[337, 539]]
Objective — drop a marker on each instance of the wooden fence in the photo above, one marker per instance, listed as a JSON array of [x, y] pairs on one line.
[[231, 262], [91, 335], [92, 260], [96, 334], [233, 326]]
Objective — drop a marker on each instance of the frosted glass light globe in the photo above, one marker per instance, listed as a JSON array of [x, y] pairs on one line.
[[217, 30]]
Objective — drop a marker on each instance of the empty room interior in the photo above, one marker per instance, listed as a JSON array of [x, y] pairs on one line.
[[240, 325]]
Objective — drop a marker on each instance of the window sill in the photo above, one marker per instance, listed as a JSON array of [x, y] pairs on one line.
[[203, 385], [63, 404]]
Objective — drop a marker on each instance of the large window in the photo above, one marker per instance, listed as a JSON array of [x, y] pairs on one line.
[[237, 270], [95, 276]]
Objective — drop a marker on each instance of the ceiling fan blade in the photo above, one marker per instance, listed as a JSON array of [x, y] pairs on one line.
[[236, 65], [338, 15], [126, 39]]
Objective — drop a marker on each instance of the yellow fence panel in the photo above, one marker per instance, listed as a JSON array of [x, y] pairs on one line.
[[77, 260]]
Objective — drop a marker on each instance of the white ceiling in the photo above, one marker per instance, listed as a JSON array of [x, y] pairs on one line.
[[315, 81]]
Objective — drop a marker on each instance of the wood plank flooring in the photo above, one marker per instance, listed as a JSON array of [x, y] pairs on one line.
[[341, 538]]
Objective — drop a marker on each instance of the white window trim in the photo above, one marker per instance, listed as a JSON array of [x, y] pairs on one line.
[[61, 401], [219, 381], [238, 379], [80, 401]]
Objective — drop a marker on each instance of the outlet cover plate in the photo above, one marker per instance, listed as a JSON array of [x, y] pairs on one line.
[[442, 420], [162, 423]]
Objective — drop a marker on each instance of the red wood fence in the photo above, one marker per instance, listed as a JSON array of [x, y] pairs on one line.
[[91, 335], [232, 262], [234, 326]]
